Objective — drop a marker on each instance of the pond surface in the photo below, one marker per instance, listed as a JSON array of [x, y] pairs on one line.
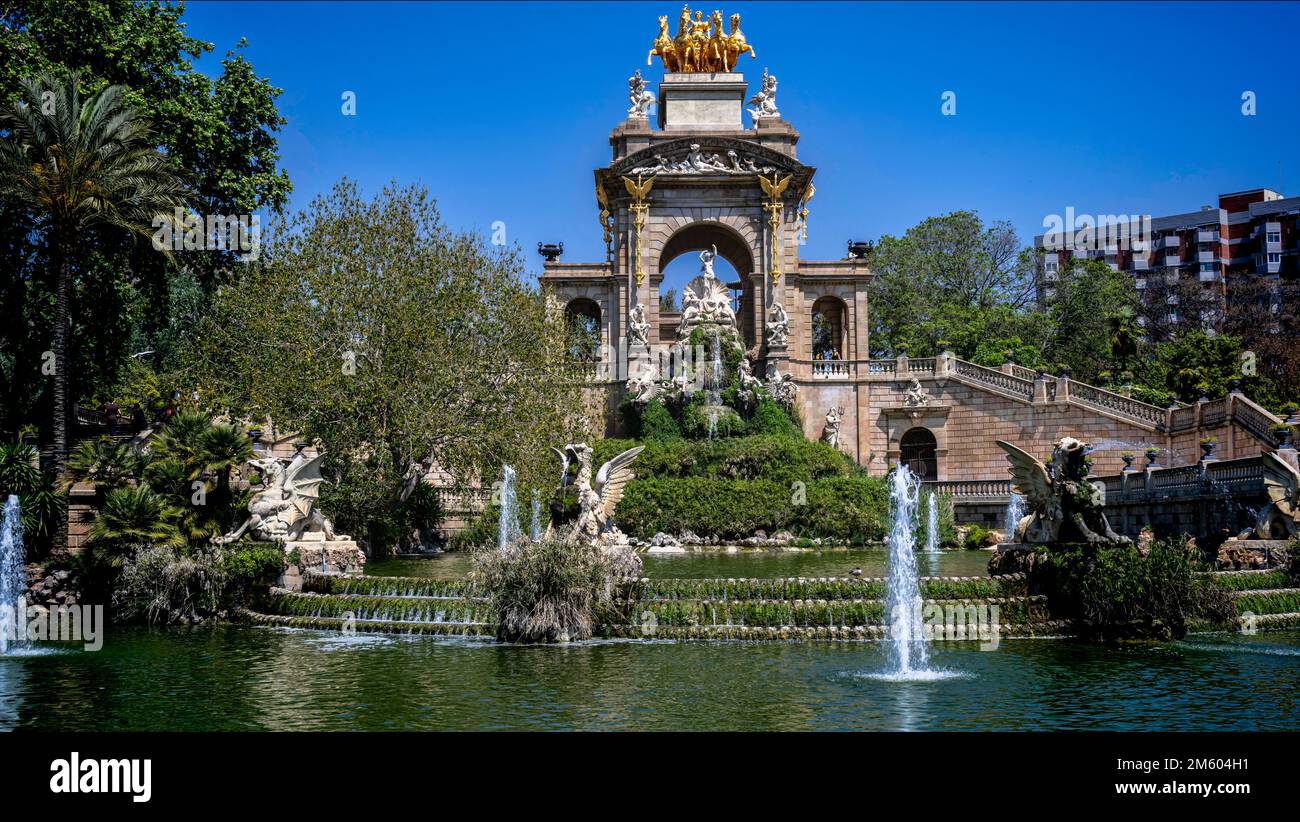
[[233, 677], [719, 563]]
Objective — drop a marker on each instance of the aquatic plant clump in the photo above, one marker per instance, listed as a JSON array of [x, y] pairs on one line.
[[552, 590]]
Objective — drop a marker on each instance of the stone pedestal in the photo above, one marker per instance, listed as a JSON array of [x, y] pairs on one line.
[[702, 102], [1251, 554], [341, 557]]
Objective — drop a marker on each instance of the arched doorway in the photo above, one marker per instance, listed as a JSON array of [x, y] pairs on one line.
[[678, 265], [828, 323], [582, 319], [917, 450]]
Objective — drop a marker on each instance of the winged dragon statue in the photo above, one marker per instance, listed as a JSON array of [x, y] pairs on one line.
[[597, 500], [1280, 518], [285, 509], [1065, 506]]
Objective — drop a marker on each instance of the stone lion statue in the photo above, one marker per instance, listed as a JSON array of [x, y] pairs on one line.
[[1064, 505], [1280, 518]]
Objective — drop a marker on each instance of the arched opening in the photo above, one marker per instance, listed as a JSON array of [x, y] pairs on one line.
[[917, 450], [679, 264], [829, 341], [582, 319]]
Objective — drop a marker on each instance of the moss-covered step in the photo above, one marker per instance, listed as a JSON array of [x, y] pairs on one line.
[[334, 624], [377, 609], [823, 588]]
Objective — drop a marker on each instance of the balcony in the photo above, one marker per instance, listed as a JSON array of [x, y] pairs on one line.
[[1141, 265], [1204, 236], [1207, 257], [1173, 261], [1210, 276], [1170, 242]]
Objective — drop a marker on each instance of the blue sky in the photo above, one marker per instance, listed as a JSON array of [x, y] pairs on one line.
[[503, 110]]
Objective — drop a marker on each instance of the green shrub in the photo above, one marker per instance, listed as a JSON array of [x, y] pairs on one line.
[[250, 568], [977, 538], [656, 422], [852, 509], [1114, 591], [157, 586], [771, 418]]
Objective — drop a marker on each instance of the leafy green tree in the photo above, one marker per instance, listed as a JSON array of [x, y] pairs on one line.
[[928, 280], [40, 507], [396, 344], [1092, 320], [78, 165], [218, 132]]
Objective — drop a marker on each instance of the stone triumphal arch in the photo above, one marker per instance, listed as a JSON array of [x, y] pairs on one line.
[[714, 169]]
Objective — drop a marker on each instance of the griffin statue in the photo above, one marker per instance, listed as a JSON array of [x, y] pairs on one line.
[[596, 503], [1065, 506], [1280, 518], [285, 509]]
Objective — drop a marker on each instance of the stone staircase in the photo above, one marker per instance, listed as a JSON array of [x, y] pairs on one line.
[[741, 609]]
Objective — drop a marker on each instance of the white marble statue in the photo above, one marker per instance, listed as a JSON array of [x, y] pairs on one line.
[[640, 98], [596, 503], [764, 102], [284, 510], [916, 396], [831, 432], [644, 386], [778, 326], [638, 328], [705, 298], [745, 373], [781, 387]]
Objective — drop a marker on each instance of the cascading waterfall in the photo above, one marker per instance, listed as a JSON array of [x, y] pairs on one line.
[[714, 382], [906, 642], [932, 525], [508, 525], [535, 529], [13, 573], [1015, 512]]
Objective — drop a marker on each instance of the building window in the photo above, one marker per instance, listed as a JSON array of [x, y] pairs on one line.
[[1274, 237], [1274, 257]]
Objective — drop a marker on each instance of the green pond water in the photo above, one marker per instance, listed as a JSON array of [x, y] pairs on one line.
[[718, 563], [233, 677]]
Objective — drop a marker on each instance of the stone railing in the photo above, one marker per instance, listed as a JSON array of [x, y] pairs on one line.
[[1023, 373], [967, 489], [994, 378], [922, 366], [1118, 403], [885, 367], [1254, 418], [1210, 478], [832, 369]]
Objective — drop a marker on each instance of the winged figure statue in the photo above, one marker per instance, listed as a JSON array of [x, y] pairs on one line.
[[1064, 505], [638, 189], [1280, 518], [286, 507], [597, 499], [772, 188]]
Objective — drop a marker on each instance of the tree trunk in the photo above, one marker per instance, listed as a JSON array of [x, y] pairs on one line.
[[62, 374]]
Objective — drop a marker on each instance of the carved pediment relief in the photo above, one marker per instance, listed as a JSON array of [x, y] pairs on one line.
[[711, 156]]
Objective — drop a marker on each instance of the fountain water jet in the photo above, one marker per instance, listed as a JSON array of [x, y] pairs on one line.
[[931, 524], [1015, 512], [13, 573], [535, 529], [906, 644], [508, 524]]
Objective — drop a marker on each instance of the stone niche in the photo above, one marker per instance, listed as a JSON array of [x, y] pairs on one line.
[[702, 102]]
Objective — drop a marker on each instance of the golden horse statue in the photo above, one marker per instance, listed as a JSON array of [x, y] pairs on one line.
[[665, 48], [700, 45], [735, 44]]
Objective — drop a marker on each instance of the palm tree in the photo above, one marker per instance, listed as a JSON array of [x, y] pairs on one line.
[[78, 164], [224, 448], [105, 463], [135, 516]]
